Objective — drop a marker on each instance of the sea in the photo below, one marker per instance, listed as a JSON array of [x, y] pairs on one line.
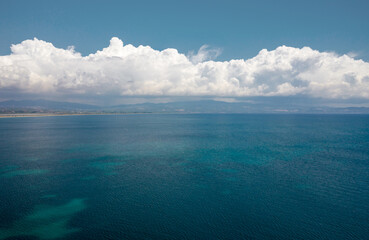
[[185, 176]]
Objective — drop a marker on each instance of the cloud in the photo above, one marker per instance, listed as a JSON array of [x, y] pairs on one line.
[[36, 67], [204, 54]]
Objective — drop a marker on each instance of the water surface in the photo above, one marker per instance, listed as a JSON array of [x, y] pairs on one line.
[[212, 176]]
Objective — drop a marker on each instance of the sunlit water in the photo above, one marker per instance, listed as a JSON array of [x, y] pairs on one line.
[[185, 177]]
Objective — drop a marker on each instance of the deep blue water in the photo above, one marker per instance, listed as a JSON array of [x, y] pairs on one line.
[[185, 177]]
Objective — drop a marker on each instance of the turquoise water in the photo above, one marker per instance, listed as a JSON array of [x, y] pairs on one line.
[[214, 176]]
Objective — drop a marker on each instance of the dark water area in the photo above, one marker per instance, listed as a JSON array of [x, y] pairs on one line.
[[200, 176]]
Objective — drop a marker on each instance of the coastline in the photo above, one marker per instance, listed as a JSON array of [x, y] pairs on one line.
[[22, 115]]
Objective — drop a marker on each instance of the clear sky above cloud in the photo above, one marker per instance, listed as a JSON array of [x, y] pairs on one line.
[[181, 48], [240, 28]]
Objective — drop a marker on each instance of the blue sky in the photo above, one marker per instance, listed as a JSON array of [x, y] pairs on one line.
[[240, 28], [231, 50]]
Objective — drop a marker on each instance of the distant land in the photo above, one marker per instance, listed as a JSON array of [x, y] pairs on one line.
[[41, 106]]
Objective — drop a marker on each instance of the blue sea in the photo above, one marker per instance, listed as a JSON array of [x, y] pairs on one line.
[[189, 176]]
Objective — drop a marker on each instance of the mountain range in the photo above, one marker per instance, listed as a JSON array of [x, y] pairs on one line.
[[200, 106]]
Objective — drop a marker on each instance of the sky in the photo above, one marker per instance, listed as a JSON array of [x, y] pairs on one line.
[[110, 50]]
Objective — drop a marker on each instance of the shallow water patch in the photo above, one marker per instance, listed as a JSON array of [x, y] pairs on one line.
[[8, 168], [46, 222], [24, 172]]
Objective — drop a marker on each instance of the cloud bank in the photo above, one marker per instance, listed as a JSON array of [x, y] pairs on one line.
[[37, 67]]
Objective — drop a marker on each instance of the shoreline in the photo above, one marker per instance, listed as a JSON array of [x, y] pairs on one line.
[[22, 115]]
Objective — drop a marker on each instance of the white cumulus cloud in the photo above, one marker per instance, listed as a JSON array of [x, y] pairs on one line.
[[37, 67]]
